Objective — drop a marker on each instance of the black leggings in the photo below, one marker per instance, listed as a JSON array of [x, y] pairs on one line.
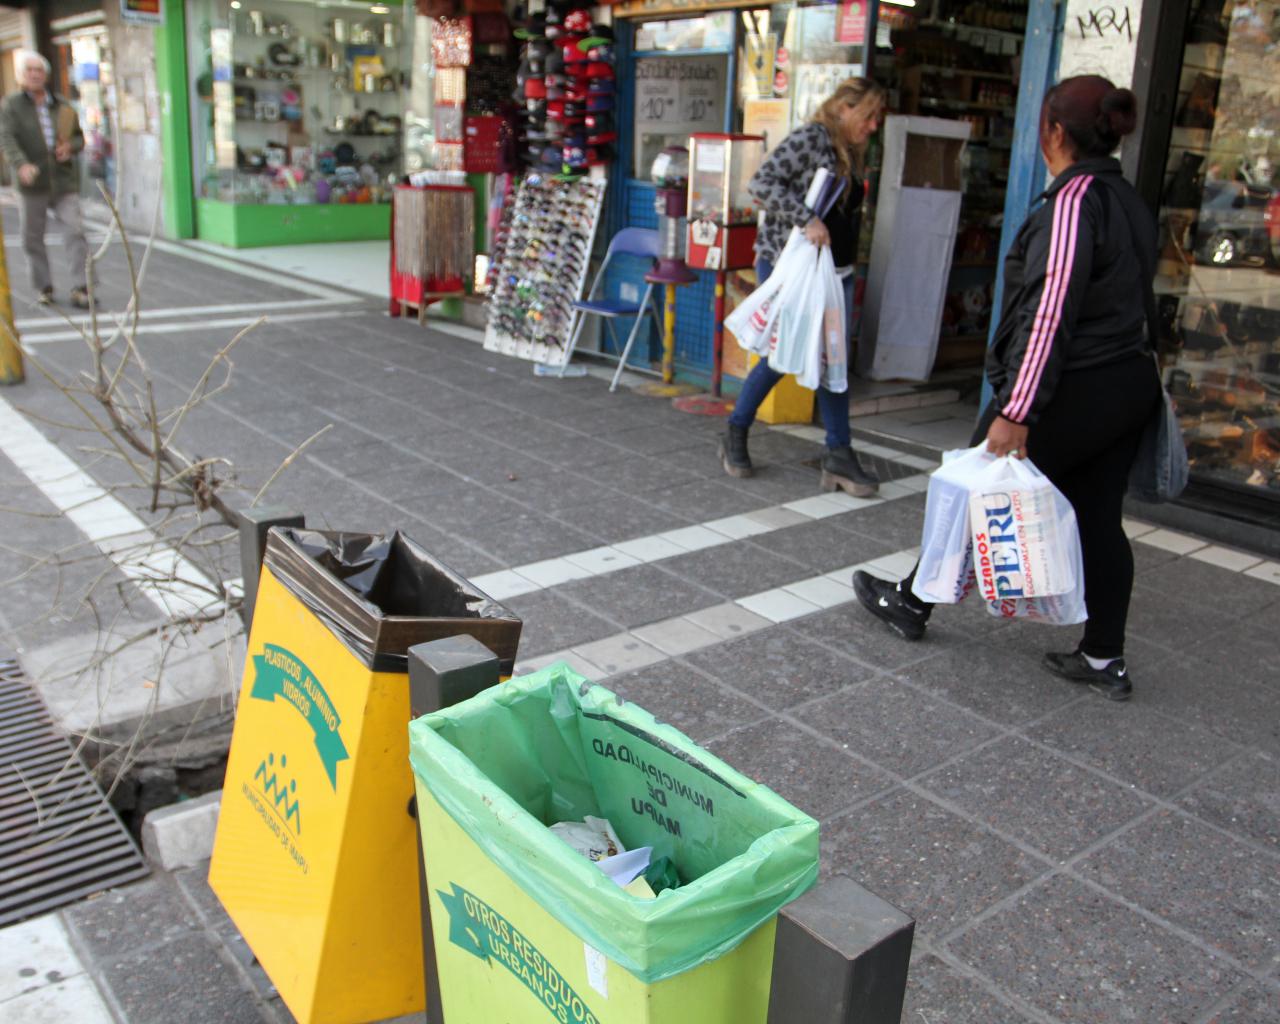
[[1085, 443]]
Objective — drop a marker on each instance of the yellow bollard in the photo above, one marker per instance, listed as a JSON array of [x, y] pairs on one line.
[[788, 402], [10, 353]]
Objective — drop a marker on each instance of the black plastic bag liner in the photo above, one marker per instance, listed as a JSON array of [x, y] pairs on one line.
[[381, 595]]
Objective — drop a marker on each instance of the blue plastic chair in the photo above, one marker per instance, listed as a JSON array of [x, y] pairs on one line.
[[642, 242]]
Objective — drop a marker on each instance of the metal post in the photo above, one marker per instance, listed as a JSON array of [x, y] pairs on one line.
[[11, 371], [840, 957], [254, 525], [442, 673], [669, 336]]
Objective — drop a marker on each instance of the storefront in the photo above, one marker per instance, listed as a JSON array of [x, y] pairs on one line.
[[1218, 279], [296, 118]]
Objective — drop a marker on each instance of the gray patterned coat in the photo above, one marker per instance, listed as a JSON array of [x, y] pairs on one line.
[[779, 186]]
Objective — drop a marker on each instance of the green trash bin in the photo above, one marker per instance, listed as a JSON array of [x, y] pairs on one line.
[[526, 929]]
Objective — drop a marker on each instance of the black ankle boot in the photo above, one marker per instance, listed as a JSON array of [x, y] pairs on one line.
[[733, 452], [840, 469]]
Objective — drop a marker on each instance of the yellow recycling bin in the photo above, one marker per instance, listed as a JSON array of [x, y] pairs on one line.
[[315, 854], [527, 930]]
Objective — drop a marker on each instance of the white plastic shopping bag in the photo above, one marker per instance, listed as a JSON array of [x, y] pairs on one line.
[[834, 370], [797, 332], [965, 545], [752, 320], [945, 573]]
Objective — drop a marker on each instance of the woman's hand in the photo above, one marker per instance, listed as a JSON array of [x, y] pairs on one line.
[[817, 233], [1007, 438]]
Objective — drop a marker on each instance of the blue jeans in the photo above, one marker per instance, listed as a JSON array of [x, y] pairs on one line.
[[833, 406]]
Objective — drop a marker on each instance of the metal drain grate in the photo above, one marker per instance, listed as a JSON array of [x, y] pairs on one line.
[[59, 838]]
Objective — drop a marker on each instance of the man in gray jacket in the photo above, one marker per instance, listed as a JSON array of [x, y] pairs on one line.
[[40, 137]]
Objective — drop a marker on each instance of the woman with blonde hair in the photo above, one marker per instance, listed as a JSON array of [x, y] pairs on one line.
[[835, 139]]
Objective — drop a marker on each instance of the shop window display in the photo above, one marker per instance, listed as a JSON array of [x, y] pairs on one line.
[[297, 101], [1216, 285]]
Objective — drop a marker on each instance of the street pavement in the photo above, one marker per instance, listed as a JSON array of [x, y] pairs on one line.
[[1066, 859]]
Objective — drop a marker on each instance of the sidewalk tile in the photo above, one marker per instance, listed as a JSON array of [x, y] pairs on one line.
[[619, 653], [648, 549], [1037, 797], [738, 527], [1221, 890], [777, 517], [737, 574], [777, 605], [1243, 798], [925, 859], [1134, 969], [1135, 528], [639, 595], [1256, 1004], [694, 538], [1169, 540], [32, 952], [598, 561], [682, 697], [72, 1000], [849, 503], [891, 490], [1226, 558], [676, 636], [799, 768], [1268, 571], [553, 571], [574, 660], [728, 620], [821, 591], [914, 484], [819, 506], [897, 565], [552, 623], [939, 994], [917, 462]]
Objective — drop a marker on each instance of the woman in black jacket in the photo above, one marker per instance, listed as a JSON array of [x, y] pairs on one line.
[[835, 139], [1071, 365]]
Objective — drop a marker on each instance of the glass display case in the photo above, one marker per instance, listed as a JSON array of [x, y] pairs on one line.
[[722, 212], [296, 102], [1218, 305]]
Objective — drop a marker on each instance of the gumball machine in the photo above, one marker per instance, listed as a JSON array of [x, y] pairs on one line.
[[722, 216], [670, 173]]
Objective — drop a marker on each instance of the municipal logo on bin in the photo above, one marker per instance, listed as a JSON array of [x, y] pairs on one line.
[[278, 673], [483, 932]]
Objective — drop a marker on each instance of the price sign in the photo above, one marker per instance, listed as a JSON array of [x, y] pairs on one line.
[[675, 97]]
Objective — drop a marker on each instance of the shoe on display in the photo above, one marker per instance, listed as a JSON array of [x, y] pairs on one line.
[[45, 298], [1112, 681], [884, 599], [733, 452], [841, 469], [79, 298]]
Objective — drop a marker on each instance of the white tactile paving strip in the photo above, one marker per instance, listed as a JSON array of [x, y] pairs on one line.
[[43, 980]]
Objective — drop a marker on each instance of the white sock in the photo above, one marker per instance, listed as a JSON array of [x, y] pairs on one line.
[[1097, 663]]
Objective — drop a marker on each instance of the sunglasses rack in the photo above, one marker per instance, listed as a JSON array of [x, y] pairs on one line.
[[549, 231]]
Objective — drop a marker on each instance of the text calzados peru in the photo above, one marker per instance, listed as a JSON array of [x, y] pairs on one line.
[[1016, 548]]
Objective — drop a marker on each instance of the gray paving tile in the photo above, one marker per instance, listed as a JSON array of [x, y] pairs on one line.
[[639, 595], [551, 490], [1256, 1004], [1222, 890], [1135, 743], [939, 868], [1163, 618], [526, 537], [986, 678], [737, 572], [184, 981], [655, 440], [552, 623], [614, 517], [939, 994], [898, 523], [854, 632], [775, 484], [1226, 592], [640, 475], [1243, 798], [823, 546], [779, 668], [895, 726], [814, 777], [1078, 956], [1206, 691], [695, 705], [1035, 796], [146, 915], [706, 499]]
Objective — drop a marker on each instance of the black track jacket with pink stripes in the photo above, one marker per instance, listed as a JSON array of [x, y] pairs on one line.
[[1072, 287]]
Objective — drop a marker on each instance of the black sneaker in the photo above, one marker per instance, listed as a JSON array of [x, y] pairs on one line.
[[45, 298], [885, 601], [1112, 682]]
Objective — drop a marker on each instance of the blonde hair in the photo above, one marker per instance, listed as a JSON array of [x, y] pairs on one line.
[[851, 92]]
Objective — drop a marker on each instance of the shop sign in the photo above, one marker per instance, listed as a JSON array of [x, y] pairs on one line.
[[644, 8], [142, 12], [851, 24], [1100, 41], [680, 95], [761, 52]]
